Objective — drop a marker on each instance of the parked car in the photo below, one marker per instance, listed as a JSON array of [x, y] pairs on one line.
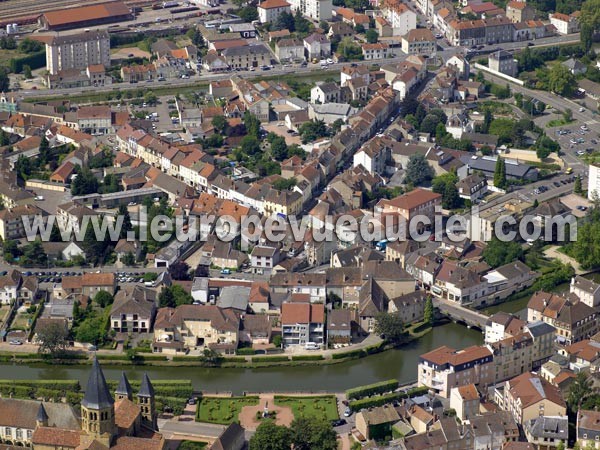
[[15, 342], [348, 412], [338, 422], [225, 272]]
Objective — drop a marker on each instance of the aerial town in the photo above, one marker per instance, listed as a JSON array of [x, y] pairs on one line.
[[300, 224]]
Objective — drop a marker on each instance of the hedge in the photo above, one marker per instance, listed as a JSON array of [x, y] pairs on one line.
[[245, 351], [34, 60], [377, 400], [307, 358], [269, 359], [67, 385], [352, 354], [372, 389]]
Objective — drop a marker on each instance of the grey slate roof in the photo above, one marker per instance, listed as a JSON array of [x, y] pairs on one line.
[[488, 164], [42, 415], [539, 328], [553, 427], [97, 395], [124, 387], [146, 389]]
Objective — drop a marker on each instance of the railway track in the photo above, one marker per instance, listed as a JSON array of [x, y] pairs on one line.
[[25, 8]]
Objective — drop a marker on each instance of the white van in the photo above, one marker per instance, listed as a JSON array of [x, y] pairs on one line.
[[312, 346]]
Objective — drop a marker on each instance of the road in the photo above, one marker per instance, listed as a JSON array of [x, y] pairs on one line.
[[548, 98], [204, 78]]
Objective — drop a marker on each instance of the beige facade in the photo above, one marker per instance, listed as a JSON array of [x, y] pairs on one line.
[[78, 51]]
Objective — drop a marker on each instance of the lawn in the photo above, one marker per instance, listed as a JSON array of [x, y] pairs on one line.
[[323, 407], [558, 123], [222, 410], [7, 55], [22, 321]]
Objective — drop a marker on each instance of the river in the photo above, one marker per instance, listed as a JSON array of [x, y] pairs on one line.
[[400, 364]]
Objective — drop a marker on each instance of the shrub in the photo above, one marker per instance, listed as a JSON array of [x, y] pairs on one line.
[[307, 358], [245, 351], [269, 359], [351, 354]]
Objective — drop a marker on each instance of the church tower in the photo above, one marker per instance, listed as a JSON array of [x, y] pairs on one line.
[[124, 389], [146, 402], [41, 420], [98, 409]]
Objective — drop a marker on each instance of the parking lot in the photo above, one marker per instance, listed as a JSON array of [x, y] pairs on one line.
[[576, 139]]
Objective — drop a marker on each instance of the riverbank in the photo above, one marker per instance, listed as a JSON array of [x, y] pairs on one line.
[[414, 332], [400, 364]]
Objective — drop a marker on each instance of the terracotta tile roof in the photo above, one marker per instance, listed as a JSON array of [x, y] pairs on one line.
[[98, 279], [531, 389], [86, 13], [270, 4], [56, 437], [292, 313], [468, 392], [446, 355], [126, 413], [136, 443], [412, 199]]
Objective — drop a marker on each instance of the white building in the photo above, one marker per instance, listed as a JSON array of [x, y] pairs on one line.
[[587, 291], [270, 10], [565, 24], [594, 181], [78, 51], [400, 17], [316, 10]]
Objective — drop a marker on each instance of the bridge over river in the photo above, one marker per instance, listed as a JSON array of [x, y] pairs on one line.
[[458, 313]]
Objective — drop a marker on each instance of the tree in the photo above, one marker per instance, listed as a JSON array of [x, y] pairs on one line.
[[279, 149], [103, 299], [27, 71], [248, 13], [561, 81], [4, 80], [349, 50], [28, 45], [285, 21], [390, 326], [33, 254], [90, 330], [567, 115], [150, 98], [359, 28], [578, 391], [428, 315], [128, 259], [174, 296], [179, 271], [590, 19], [313, 130], [52, 338], [418, 170], [219, 123], [195, 36], [500, 174], [126, 226], [545, 145], [498, 253], [311, 434], [84, 183], [560, 446], [445, 185], [301, 24], [269, 436], [249, 145], [252, 124], [577, 189], [371, 36]]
